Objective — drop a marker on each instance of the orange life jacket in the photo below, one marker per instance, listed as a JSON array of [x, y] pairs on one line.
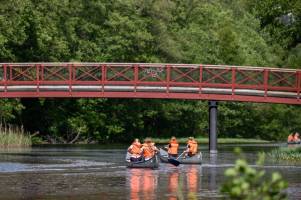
[[148, 150], [290, 138], [135, 148], [173, 147], [192, 147]]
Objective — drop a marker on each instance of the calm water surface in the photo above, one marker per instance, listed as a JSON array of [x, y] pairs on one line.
[[96, 172]]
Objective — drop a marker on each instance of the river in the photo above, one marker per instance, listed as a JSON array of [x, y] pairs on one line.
[[97, 172]]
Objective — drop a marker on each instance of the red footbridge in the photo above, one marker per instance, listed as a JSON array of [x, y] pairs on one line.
[[150, 80]]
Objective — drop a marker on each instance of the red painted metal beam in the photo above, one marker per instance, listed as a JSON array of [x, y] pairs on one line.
[[147, 95]]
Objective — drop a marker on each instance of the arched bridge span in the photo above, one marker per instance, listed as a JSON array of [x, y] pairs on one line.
[[148, 80]]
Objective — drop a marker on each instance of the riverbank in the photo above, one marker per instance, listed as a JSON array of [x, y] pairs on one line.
[[12, 137], [220, 140], [183, 140]]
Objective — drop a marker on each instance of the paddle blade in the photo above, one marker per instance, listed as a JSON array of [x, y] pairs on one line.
[[173, 161]]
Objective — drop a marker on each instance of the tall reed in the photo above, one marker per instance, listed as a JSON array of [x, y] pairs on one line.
[[286, 153], [14, 137]]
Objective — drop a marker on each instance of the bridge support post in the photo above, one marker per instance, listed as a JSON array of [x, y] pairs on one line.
[[212, 127]]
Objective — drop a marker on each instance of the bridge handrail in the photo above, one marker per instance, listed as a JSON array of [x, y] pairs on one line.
[[181, 80]]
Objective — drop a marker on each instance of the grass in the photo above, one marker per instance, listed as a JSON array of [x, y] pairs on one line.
[[220, 140], [286, 153], [14, 137]]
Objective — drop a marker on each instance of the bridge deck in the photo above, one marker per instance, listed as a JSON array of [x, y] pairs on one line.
[[146, 80]]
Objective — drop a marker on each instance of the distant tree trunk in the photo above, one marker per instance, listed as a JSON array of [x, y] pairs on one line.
[[35, 134], [4, 123], [76, 138], [50, 139]]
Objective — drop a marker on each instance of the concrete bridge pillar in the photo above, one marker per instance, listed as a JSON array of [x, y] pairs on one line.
[[212, 127]]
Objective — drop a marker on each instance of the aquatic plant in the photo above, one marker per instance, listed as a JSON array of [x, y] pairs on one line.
[[286, 153], [246, 183], [14, 137]]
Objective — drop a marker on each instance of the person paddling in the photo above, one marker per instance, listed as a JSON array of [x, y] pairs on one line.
[[290, 138], [148, 149], [135, 151], [296, 137], [173, 148], [192, 147]]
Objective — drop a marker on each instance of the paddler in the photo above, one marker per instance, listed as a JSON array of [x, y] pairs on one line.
[[173, 147], [148, 149], [296, 137], [135, 150], [192, 147], [290, 138]]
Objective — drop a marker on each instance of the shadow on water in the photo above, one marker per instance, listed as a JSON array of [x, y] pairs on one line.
[[76, 172]]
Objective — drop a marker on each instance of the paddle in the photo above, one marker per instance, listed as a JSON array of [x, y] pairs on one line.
[[175, 162]]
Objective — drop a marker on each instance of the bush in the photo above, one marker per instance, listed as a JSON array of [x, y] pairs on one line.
[[246, 183]]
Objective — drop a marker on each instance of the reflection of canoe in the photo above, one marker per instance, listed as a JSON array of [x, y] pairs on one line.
[[293, 142], [151, 163], [197, 159]]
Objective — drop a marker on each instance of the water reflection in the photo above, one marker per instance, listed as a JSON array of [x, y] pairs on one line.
[[193, 179], [173, 183], [212, 174], [143, 183]]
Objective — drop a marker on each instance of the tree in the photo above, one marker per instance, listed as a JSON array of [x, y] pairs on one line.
[[9, 108], [180, 31]]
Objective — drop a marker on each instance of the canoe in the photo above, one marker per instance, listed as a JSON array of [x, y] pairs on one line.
[[293, 142], [151, 163], [197, 159]]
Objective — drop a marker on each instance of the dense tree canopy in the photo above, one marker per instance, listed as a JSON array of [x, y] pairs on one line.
[[244, 32]]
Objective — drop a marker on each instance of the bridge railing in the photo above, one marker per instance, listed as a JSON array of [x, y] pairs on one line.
[[168, 78]]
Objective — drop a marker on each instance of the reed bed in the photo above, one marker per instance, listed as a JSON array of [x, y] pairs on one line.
[[286, 153], [11, 137]]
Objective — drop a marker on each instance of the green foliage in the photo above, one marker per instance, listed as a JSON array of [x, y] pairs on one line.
[[37, 140], [276, 121], [115, 119], [9, 108], [77, 126], [294, 57], [131, 30], [281, 18], [246, 183]]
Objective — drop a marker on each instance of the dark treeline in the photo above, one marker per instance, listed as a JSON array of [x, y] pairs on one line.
[[234, 32]]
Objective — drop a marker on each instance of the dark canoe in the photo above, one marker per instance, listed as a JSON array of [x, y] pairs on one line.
[[197, 159], [293, 142], [151, 163]]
